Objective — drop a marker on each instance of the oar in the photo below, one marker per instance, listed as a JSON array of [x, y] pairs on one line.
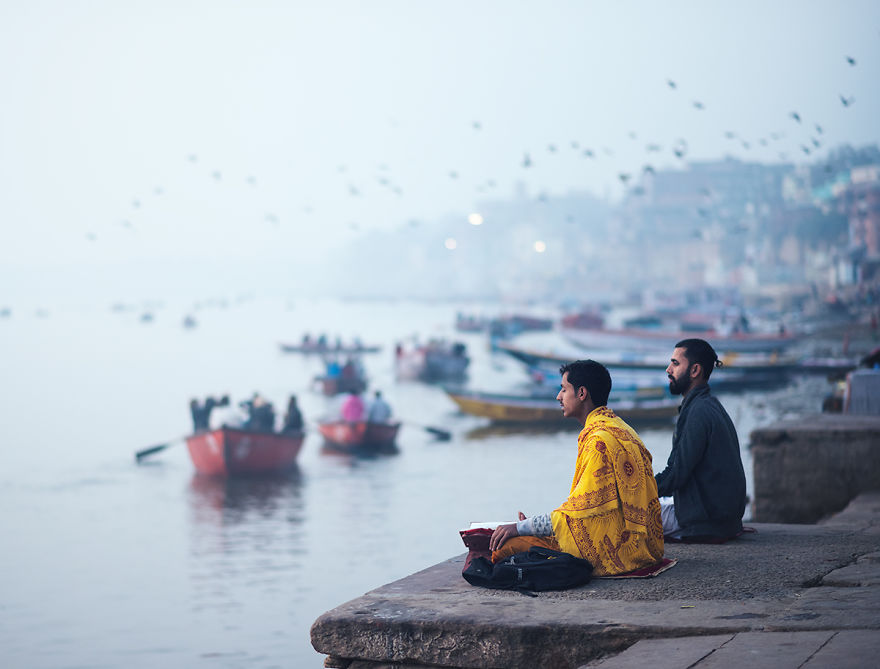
[[140, 455], [442, 435]]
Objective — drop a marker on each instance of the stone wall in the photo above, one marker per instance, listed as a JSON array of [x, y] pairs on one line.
[[808, 468]]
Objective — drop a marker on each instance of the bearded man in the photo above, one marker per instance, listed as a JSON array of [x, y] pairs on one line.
[[703, 488]]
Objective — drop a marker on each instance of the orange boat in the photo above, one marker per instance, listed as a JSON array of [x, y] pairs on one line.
[[361, 435], [228, 451]]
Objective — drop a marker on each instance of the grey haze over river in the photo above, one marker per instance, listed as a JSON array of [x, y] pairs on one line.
[[108, 564]]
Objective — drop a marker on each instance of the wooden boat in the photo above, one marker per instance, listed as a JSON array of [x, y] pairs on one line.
[[229, 451], [644, 339], [502, 408], [631, 371], [436, 361], [314, 348], [335, 385], [347, 436]]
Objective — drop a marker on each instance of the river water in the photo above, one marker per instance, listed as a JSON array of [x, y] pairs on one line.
[[106, 563]]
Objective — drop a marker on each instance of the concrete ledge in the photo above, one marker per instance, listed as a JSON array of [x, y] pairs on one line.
[[807, 469], [759, 582]]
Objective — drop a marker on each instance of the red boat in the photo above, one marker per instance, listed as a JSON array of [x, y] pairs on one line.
[[361, 435], [337, 385], [227, 451]]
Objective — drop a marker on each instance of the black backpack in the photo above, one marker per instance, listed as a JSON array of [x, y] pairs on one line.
[[538, 569]]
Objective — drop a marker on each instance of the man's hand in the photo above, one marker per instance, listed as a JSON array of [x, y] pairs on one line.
[[501, 534], [498, 538]]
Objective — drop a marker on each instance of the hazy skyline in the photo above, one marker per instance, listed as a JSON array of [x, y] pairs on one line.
[[137, 132]]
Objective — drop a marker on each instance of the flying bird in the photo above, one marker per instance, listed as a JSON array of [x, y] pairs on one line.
[[453, 174], [649, 169], [698, 105], [819, 128], [588, 153], [216, 174], [850, 60], [805, 149], [816, 142], [846, 102], [796, 116], [575, 145], [527, 161], [551, 148], [624, 177], [653, 148], [671, 84], [730, 134], [477, 125]]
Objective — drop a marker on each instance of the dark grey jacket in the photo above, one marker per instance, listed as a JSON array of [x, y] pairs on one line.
[[704, 472]]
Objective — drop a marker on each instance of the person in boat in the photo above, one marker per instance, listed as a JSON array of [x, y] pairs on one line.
[[261, 414], [379, 410], [611, 516], [228, 415], [703, 488], [350, 370], [352, 410], [333, 368], [201, 413], [293, 420]]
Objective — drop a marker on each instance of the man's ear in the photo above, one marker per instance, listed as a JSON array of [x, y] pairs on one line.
[[583, 393], [696, 370]]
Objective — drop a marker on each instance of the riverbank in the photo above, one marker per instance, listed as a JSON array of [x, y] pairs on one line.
[[783, 579]]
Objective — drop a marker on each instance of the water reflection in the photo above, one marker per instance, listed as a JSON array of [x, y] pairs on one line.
[[233, 500], [360, 453]]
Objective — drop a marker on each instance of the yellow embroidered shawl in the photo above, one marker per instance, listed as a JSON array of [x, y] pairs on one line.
[[612, 515]]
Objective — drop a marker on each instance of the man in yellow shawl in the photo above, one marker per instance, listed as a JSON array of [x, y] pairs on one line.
[[612, 515]]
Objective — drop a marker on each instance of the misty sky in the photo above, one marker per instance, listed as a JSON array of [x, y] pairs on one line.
[[132, 131]]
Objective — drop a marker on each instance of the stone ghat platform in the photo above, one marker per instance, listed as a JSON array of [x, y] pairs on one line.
[[786, 596]]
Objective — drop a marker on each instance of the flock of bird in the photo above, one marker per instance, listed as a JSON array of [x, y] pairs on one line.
[[813, 140]]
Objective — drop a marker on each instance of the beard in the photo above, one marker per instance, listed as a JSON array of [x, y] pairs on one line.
[[679, 386]]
